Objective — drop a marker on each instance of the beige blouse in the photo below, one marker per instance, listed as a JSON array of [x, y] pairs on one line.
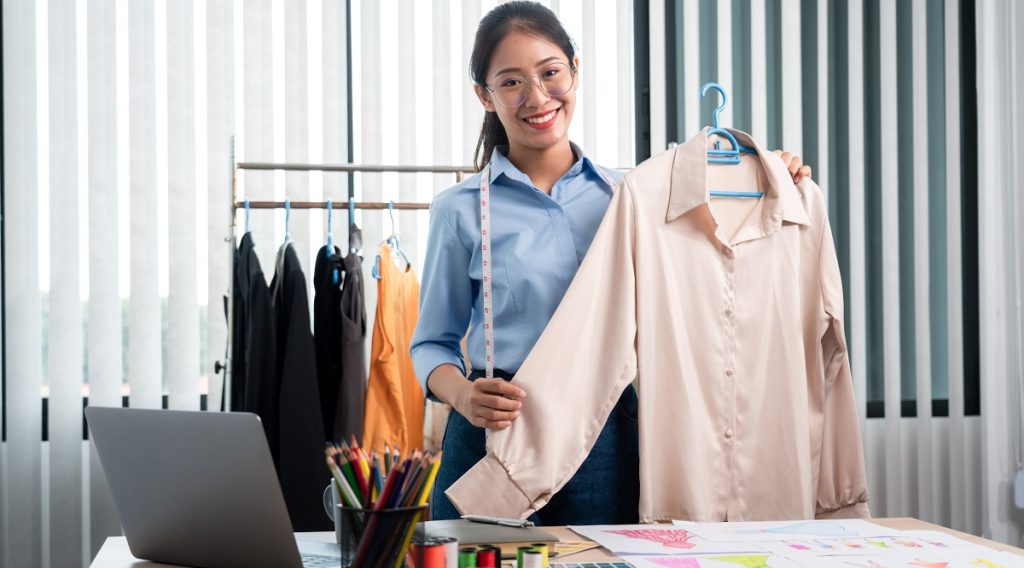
[[736, 337]]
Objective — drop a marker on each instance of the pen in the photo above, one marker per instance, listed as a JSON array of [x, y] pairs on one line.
[[522, 524]]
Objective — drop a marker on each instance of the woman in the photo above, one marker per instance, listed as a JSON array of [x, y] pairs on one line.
[[548, 199]]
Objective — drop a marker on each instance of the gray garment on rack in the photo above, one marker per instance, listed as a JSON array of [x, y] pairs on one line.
[[353, 344]]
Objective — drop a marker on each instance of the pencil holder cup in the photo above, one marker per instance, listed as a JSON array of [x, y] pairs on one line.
[[370, 538]]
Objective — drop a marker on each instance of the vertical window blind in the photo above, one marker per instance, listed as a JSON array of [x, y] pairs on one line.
[[118, 122]]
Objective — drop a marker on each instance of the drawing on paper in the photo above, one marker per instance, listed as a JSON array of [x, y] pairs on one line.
[[745, 561], [816, 528], [855, 546], [923, 563], [672, 538]]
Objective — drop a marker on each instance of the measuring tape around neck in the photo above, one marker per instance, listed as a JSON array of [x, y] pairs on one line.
[[485, 249]]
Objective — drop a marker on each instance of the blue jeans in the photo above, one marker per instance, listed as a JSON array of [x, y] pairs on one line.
[[605, 489]]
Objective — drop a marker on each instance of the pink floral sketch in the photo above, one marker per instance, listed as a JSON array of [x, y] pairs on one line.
[[671, 538], [672, 562]]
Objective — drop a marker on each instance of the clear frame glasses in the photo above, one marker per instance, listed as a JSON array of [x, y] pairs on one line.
[[555, 79]]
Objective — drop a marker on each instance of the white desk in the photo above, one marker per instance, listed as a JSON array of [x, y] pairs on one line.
[[115, 553]]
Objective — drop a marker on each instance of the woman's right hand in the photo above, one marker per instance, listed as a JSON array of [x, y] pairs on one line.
[[489, 403], [485, 403]]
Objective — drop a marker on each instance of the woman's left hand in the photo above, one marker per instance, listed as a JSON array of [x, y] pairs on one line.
[[796, 166]]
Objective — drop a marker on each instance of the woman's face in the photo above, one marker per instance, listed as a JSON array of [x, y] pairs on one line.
[[542, 120]]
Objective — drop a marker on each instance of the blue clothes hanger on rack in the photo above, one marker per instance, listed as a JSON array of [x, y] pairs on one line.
[[335, 275], [392, 241], [287, 220], [355, 236], [246, 215], [330, 227], [728, 156]]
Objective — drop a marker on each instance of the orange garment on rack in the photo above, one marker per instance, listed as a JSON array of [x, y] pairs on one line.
[[394, 398]]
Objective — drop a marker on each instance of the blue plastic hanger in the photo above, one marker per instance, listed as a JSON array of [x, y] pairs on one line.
[[287, 220], [355, 237], [720, 156], [335, 276], [246, 215], [392, 242], [330, 227]]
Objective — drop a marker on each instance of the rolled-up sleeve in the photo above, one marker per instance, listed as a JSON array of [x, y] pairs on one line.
[[446, 300]]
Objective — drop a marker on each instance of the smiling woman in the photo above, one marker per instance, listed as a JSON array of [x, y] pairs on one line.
[[547, 199]]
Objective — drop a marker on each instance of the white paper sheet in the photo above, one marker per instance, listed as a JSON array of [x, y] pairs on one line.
[[924, 559], [907, 542]]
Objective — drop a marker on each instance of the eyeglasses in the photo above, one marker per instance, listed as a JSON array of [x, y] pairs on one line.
[[555, 80]]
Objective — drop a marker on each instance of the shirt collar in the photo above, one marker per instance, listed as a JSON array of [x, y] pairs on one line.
[[500, 165], [688, 186]]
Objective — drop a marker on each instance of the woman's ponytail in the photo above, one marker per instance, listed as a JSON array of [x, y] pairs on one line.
[[492, 134]]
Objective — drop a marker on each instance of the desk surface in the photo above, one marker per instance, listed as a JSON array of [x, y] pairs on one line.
[[115, 553]]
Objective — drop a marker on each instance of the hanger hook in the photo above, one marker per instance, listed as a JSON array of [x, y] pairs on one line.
[[391, 213], [246, 215], [287, 219], [330, 226], [351, 210], [725, 99]]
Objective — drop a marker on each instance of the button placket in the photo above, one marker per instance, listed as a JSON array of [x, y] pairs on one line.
[[728, 376]]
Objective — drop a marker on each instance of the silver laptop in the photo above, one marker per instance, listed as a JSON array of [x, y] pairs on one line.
[[199, 489]]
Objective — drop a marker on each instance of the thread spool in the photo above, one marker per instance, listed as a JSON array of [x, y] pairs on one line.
[[467, 557], [451, 551], [533, 558], [429, 554], [543, 549]]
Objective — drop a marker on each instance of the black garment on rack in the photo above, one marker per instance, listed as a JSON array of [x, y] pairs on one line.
[[301, 471], [254, 378], [352, 401], [339, 330], [327, 337]]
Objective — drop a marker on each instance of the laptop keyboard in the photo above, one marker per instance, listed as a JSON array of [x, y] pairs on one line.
[[320, 561]]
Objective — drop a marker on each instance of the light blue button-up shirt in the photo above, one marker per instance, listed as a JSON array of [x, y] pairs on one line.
[[538, 242]]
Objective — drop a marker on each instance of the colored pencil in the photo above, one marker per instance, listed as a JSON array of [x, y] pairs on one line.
[[350, 474], [357, 471], [381, 472]]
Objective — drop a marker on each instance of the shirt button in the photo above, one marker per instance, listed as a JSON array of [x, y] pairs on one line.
[[728, 311], [728, 372], [729, 433]]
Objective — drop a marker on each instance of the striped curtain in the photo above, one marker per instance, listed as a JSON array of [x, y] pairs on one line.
[[879, 96], [118, 121], [1001, 261]]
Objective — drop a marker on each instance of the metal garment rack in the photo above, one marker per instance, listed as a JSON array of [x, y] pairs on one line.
[[458, 171]]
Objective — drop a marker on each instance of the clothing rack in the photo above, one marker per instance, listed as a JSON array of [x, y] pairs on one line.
[[340, 205], [458, 171]]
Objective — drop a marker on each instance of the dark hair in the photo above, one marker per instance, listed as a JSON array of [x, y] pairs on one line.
[[528, 17]]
